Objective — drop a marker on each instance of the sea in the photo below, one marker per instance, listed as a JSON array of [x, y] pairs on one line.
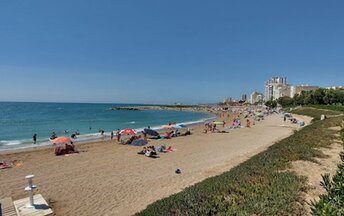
[[20, 120]]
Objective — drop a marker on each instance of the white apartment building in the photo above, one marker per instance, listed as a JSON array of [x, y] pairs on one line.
[[278, 87], [272, 85]]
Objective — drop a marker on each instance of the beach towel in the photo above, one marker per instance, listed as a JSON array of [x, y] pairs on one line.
[[5, 164], [160, 148], [70, 154], [169, 149]]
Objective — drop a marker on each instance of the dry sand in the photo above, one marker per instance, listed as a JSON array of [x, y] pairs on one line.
[[112, 179]]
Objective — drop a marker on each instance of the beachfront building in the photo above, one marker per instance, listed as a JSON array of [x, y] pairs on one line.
[[256, 97], [335, 87], [244, 97], [282, 90], [300, 88], [274, 87]]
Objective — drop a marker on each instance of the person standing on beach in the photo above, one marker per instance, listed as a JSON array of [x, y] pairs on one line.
[[34, 137], [144, 135], [248, 123], [111, 135], [118, 135]]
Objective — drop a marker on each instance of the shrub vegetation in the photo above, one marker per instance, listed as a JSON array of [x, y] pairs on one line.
[[332, 203]]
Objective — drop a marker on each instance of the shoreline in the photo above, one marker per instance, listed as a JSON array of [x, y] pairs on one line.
[[105, 138], [95, 137]]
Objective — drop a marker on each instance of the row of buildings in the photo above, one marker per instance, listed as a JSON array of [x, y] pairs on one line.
[[275, 88]]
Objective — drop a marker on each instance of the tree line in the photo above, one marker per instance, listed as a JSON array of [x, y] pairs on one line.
[[319, 96]]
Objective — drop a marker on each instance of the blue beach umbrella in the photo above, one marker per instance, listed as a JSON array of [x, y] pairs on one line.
[[151, 132], [139, 142]]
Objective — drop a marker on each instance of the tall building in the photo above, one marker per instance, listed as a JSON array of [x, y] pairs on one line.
[[274, 87], [256, 97], [244, 97], [277, 87], [281, 91]]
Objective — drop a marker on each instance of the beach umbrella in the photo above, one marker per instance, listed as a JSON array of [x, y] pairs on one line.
[[61, 140], [128, 131], [218, 123], [151, 132], [139, 142]]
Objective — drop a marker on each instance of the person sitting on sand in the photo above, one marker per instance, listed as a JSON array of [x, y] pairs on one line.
[[248, 123], [131, 139], [143, 151], [213, 128], [176, 133], [206, 128], [188, 132], [68, 149], [239, 122], [168, 135]]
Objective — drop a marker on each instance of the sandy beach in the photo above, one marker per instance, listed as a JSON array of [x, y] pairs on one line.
[[107, 178]]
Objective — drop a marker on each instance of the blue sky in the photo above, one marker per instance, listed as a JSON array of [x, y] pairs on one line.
[[161, 51]]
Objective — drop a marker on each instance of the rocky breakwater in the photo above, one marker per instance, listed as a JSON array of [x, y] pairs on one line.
[[176, 108]]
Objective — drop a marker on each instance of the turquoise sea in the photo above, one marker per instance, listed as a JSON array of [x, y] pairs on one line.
[[20, 120]]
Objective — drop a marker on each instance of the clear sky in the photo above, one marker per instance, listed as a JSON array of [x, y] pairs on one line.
[[189, 51]]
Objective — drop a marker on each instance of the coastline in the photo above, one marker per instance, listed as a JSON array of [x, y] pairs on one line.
[[19, 144], [123, 177]]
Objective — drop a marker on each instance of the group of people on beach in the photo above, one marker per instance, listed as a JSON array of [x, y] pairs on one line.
[[152, 151], [142, 139]]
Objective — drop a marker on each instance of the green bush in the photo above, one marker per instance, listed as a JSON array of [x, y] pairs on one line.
[[258, 186], [331, 203]]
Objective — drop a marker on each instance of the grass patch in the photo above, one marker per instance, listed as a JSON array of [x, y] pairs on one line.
[[258, 186], [338, 108], [313, 112]]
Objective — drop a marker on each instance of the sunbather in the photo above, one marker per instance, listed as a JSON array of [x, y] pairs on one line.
[[5, 164]]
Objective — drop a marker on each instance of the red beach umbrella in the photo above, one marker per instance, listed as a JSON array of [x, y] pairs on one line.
[[61, 140], [128, 131]]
